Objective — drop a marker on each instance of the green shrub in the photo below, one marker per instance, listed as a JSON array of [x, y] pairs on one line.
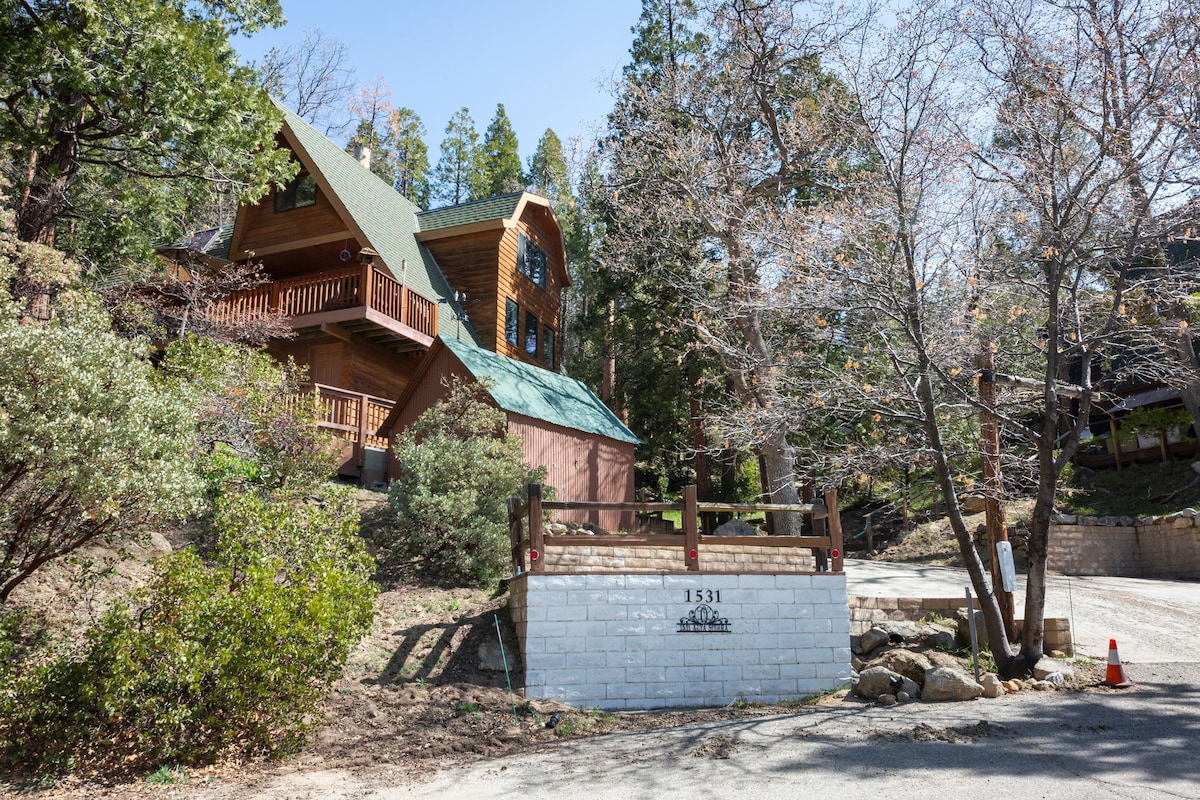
[[458, 465], [208, 658], [92, 448]]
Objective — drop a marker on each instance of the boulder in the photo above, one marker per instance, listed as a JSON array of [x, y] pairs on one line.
[[886, 699], [735, 527], [942, 683], [159, 543], [875, 681], [938, 658], [942, 640], [1047, 666], [902, 696], [964, 628], [1013, 686], [974, 503], [901, 631], [872, 639], [992, 686], [905, 663]]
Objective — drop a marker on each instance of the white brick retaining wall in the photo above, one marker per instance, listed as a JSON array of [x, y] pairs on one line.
[[614, 641]]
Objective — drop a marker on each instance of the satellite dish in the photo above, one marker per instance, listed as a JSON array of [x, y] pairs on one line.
[[345, 255]]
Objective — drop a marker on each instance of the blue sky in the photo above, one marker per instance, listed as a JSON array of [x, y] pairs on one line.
[[550, 63]]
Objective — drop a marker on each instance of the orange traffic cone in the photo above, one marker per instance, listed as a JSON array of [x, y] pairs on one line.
[[1116, 673]]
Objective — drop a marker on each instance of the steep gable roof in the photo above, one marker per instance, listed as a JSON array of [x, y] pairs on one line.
[[383, 218]]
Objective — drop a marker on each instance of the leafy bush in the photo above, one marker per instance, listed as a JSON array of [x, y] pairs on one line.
[[92, 447], [256, 430], [458, 465], [236, 654]]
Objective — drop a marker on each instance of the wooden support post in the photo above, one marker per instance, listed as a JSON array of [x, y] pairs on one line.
[[691, 533], [835, 529], [365, 288], [515, 535], [537, 543], [993, 485], [1116, 443]]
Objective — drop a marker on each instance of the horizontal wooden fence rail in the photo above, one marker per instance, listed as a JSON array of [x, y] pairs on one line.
[[530, 541]]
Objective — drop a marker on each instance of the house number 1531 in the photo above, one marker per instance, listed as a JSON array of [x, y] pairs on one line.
[[703, 596]]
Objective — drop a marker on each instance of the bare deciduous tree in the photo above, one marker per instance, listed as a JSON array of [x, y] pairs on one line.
[[314, 78]]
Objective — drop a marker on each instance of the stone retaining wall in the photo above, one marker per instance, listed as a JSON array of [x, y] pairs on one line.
[[639, 641], [713, 558], [867, 611], [1148, 547]]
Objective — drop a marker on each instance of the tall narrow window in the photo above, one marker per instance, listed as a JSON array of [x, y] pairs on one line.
[[512, 319], [548, 347], [531, 333], [531, 260]]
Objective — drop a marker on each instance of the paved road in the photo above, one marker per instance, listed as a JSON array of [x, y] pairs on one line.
[[1152, 621], [1139, 743]]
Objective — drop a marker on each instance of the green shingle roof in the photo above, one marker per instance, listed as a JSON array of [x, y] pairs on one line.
[[386, 218], [539, 393], [502, 206]]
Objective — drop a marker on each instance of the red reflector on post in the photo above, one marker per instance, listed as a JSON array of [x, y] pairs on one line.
[[835, 553], [692, 554], [533, 555]]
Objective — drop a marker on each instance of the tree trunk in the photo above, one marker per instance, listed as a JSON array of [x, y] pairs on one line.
[[780, 462]]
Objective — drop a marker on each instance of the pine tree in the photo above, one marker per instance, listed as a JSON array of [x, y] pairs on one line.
[[410, 156], [500, 161], [548, 174], [457, 172]]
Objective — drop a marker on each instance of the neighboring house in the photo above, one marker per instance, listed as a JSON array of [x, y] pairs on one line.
[[369, 283], [586, 450]]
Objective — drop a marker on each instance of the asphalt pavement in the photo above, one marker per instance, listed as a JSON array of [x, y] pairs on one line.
[[1152, 621]]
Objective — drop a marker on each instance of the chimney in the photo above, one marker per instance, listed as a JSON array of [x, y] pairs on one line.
[[363, 155]]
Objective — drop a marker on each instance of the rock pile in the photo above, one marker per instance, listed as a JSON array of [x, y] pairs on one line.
[[897, 661]]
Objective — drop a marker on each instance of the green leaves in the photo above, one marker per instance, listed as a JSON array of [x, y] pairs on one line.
[[458, 467]]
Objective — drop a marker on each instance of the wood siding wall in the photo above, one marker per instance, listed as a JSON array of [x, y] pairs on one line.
[[259, 227], [361, 366], [580, 466], [545, 303], [471, 264]]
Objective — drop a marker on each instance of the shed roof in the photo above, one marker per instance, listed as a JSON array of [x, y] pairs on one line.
[[528, 390]]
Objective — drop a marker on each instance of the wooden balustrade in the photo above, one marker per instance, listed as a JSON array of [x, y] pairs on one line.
[[354, 287], [529, 540], [352, 416]]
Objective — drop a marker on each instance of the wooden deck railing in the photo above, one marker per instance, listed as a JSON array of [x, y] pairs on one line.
[[363, 286], [352, 416], [530, 542]]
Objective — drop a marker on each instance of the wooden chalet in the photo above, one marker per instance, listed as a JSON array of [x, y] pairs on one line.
[[370, 284]]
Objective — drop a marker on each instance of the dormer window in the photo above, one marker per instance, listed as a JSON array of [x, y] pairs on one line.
[[531, 261], [299, 192]]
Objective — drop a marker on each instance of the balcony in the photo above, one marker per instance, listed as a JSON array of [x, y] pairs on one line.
[[360, 300]]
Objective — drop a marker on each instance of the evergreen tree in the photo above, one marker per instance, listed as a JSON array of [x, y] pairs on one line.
[[548, 174], [456, 173], [102, 99], [410, 156], [500, 161]]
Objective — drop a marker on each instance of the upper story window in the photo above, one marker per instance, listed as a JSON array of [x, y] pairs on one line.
[[512, 320], [299, 192], [548, 347], [531, 260], [531, 333]]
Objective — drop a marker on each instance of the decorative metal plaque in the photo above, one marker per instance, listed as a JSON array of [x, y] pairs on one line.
[[703, 619]]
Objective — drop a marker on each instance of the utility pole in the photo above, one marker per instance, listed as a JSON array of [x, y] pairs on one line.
[[993, 485]]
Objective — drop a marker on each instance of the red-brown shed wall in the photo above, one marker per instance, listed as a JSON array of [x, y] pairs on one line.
[[580, 466]]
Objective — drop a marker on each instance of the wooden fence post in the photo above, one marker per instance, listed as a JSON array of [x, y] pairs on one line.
[[835, 529], [537, 543], [691, 534], [515, 534]]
